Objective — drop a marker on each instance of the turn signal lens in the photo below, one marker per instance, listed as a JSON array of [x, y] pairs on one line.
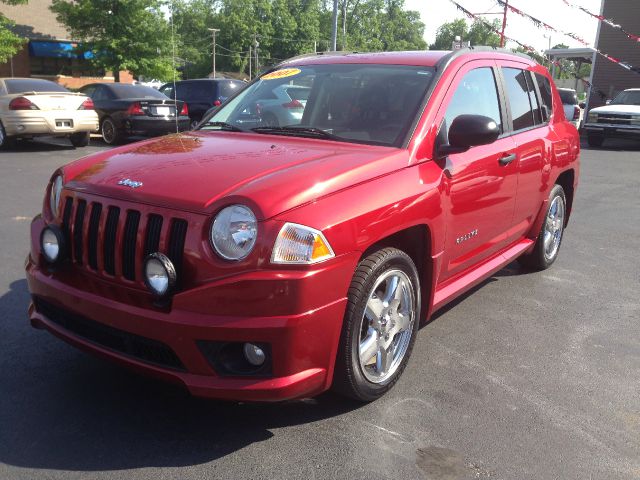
[[301, 245]]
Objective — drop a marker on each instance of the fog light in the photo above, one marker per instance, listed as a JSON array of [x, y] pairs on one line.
[[159, 274], [52, 244], [254, 354]]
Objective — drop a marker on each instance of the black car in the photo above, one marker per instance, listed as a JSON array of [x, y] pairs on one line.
[[129, 110], [202, 94]]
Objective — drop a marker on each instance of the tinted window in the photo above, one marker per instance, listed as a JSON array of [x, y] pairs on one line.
[[568, 97], [167, 90], [518, 96], [544, 85], [134, 91], [195, 91], [101, 94], [475, 95], [226, 89], [535, 105], [298, 93], [628, 97], [32, 85]]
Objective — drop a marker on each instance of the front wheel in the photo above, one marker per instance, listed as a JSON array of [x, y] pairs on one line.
[[80, 139], [380, 325], [547, 246]]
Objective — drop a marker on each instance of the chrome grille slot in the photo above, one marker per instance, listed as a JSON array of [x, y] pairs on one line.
[[152, 240], [175, 249], [94, 225], [110, 231], [129, 245], [78, 225]]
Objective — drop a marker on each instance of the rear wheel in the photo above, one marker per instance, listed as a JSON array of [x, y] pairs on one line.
[[547, 246], [595, 140], [380, 325], [110, 133], [80, 139], [5, 141]]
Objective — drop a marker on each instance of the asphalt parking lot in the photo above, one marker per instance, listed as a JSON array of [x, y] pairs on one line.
[[530, 376]]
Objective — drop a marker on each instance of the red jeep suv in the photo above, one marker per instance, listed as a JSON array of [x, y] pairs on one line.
[[254, 260]]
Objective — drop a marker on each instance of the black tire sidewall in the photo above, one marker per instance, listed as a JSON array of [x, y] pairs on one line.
[[115, 138], [361, 387]]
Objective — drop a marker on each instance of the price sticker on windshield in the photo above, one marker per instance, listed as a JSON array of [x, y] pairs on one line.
[[285, 72]]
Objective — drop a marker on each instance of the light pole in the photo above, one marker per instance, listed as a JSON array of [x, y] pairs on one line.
[[213, 60]]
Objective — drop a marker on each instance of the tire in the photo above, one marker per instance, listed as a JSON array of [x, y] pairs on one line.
[[193, 124], [110, 133], [552, 230], [595, 140], [80, 139], [364, 331], [5, 141]]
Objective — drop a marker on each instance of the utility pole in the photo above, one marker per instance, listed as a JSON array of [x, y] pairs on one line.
[[255, 48], [504, 23], [213, 61], [334, 26], [249, 62]]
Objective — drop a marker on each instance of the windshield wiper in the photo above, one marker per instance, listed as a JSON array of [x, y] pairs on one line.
[[227, 127], [297, 130]]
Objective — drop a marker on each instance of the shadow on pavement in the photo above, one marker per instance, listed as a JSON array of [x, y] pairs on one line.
[[61, 409]]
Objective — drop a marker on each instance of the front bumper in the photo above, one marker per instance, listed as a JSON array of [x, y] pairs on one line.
[[56, 122], [303, 345], [613, 130]]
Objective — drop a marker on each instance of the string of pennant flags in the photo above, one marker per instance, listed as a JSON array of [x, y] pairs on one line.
[[542, 24], [611, 23]]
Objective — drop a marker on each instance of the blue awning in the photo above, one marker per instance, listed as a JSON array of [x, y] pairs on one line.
[[56, 50]]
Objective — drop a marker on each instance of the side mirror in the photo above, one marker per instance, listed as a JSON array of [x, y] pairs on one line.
[[582, 105], [468, 131], [607, 102]]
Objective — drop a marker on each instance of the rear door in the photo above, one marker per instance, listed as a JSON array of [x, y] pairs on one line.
[[480, 184]]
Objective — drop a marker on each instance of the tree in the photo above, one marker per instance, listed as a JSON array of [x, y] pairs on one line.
[[10, 43], [478, 34], [128, 35]]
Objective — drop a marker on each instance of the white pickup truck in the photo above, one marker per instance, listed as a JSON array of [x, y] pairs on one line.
[[619, 118]]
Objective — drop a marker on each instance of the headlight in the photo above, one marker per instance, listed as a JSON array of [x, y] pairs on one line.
[[297, 244], [52, 244], [54, 195], [234, 232], [592, 117], [159, 274]]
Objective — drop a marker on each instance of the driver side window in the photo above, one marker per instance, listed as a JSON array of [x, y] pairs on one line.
[[476, 94]]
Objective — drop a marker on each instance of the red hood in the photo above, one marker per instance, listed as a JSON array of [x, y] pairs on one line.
[[200, 171]]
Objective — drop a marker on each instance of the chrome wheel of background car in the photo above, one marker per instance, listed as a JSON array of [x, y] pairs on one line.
[[386, 326], [554, 226], [108, 131], [193, 124]]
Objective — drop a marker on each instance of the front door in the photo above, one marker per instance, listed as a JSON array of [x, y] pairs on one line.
[[481, 183]]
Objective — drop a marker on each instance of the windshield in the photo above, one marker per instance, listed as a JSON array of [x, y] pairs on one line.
[[32, 85], [135, 91], [628, 97], [372, 104], [568, 97]]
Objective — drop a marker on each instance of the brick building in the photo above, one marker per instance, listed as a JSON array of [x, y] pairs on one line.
[[49, 51], [609, 79]]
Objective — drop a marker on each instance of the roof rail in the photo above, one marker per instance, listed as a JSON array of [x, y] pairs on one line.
[[478, 49], [316, 54]]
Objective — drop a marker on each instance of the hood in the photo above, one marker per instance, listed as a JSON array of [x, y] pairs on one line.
[[201, 171], [618, 109]]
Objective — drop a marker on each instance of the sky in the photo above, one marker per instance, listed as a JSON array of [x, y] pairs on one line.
[[553, 12]]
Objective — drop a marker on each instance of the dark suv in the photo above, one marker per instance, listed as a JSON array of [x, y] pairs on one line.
[[202, 94]]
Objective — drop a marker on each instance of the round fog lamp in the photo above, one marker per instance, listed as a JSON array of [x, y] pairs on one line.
[[52, 243], [159, 274], [254, 354]]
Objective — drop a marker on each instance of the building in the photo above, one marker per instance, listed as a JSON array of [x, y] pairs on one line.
[[49, 51], [608, 78]]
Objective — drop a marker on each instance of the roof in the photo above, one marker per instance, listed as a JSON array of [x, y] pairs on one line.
[[585, 54], [35, 20]]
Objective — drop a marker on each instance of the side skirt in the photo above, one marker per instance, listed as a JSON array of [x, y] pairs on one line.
[[447, 292]]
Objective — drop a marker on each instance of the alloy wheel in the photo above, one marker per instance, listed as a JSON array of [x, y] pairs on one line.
[[554, 226]]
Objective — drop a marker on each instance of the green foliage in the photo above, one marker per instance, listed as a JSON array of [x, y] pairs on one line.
[[478, 34], [10, 43], [122, 34]]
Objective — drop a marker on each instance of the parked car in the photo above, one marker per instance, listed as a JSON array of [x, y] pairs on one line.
[[202, 94], [31, 107], [279, 262], [573, 108], [619, 118], [127, 110]]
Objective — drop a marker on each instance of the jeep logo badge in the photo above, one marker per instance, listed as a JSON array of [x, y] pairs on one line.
[[127, 182]]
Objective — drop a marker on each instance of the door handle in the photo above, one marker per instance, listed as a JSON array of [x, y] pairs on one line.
[[507, 159]]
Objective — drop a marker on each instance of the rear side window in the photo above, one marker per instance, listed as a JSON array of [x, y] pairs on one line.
[[226, 89], [24, 85], [518, 96], [568, 97], [475, 95], [298, 93], [544, 86]]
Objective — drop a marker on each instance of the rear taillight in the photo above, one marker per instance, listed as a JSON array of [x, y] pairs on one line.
[[185, 110], [576, 113], [217, 103], [87, 105], [135, 109], [22, 103], [293, 104]]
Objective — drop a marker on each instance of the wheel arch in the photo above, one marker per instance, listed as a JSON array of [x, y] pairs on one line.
[[566, 180]]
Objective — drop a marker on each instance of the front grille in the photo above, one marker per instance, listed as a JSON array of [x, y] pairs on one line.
[[614, 119], [141, 348], [96, 244]]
